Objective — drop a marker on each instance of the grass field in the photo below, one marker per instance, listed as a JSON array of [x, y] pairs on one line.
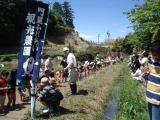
[[94, 92]]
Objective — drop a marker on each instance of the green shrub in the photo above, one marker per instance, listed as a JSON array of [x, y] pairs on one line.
[[71, 48], [46, 54], [8, 57], [83, 56], [131, 100]]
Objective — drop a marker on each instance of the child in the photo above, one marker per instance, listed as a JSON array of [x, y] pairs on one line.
[[3, 88], [65, 72], [27, 79], [57, 76], [21, 89], [136, 72], [153, 83], [49, 96], [11, 93]]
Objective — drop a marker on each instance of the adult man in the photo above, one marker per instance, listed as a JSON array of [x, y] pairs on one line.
[[72, 70]]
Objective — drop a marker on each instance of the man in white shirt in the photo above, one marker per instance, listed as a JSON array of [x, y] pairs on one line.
[[49, 64], [72, 70]]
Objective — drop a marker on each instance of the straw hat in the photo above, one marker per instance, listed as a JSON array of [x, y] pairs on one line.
[[44, 81], [65, 49]]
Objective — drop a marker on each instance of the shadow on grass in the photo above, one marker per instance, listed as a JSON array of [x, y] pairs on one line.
[[61, 111], [17, 107], [82, 92]]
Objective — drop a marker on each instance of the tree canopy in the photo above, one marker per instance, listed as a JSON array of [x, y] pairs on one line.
[[61, 19], [11, 20], [12, 15], [145, 20]]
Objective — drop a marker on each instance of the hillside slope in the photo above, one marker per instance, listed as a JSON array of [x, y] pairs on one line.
[[57, 43], [54, 44]]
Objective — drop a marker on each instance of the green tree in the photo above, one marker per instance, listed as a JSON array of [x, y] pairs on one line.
[[57, 25], [57, 8], [145, 18], [117, 46], [11, 19], [130, 42], [68, 14], [146, 25]]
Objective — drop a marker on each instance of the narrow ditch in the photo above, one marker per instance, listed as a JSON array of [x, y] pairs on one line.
[[112, 107]]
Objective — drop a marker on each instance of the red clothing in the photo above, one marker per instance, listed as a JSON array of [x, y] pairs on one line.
[[40, 88], [3, 83]]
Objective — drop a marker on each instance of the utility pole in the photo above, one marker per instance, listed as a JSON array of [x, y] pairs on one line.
[[98, 38]]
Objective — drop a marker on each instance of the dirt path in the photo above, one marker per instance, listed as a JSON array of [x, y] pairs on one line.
[[23, 107]]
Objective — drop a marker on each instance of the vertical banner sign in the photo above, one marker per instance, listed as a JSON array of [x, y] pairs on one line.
[[32, 40], [26, 47], [32, 43], [40, 32]]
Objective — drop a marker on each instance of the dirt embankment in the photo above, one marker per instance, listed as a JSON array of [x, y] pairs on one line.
[[57, 43]]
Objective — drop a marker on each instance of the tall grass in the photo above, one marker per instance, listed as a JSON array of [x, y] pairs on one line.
[[131, 100]]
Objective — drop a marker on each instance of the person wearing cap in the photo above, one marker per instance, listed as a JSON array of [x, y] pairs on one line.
[[49, 96], [72, 70]]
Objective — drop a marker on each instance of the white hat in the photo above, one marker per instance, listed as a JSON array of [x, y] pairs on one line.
[[65, 49]]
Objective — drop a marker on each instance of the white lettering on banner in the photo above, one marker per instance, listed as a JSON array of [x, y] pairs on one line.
[[36, 63], [26, 51], [39, 20], [37, 34], [30, 30], [41, 10], [31, 18], [28, 40], [38, 29]]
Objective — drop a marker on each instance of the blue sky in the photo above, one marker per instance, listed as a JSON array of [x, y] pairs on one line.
[[93, 17]]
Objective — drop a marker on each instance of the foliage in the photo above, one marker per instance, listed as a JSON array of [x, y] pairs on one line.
[[11, 19], [68, 14], [83, 56], [131, 100], [71, 48], [8, 57], [61, 19], [146, 17], [94, 50], [117, 46], [146, 25], [46, 54], [12, 16]]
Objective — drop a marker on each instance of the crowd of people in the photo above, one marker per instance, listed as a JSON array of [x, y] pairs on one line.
[[49, 93], [145, 67]]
